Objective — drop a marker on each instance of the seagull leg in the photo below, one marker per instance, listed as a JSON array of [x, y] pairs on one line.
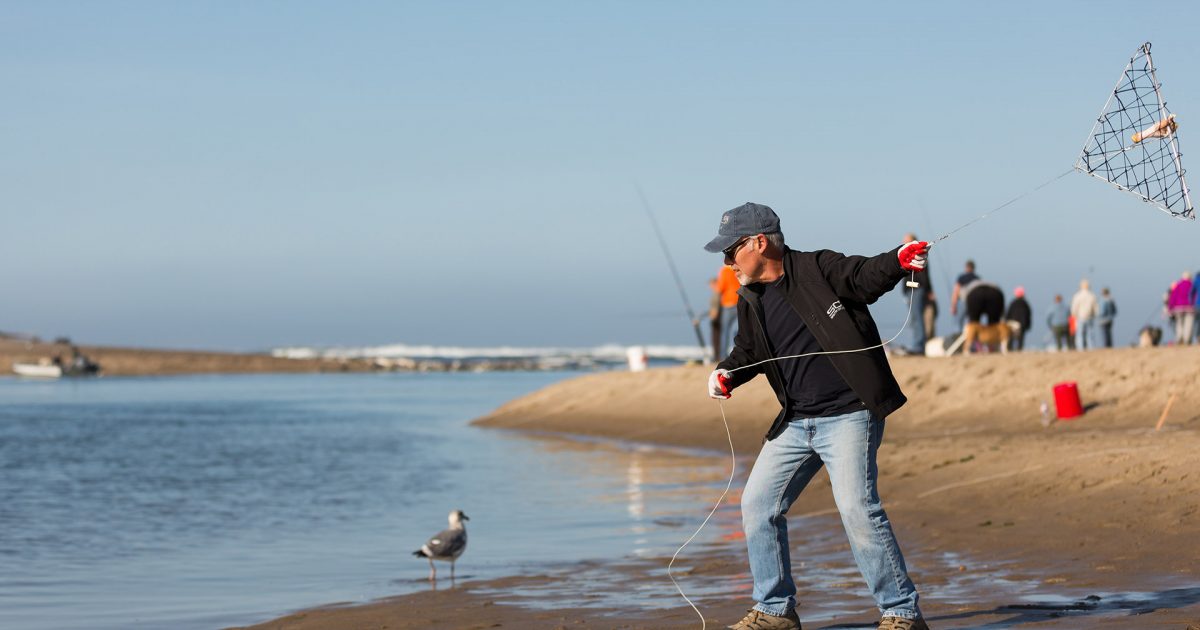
[[452, 570], [432, 571]]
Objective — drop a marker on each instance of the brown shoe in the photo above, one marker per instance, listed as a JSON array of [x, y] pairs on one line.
[[900, 623], [758, 620]]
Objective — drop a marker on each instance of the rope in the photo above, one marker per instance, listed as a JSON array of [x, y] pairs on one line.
[[999, 207], [881, 344], [728, 485]]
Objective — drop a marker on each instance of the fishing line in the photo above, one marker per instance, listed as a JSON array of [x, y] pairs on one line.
[[912, 291], [1000, 207], [728, 485]]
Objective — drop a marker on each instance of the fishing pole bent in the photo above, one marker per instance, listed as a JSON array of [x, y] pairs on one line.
[[674, 272]]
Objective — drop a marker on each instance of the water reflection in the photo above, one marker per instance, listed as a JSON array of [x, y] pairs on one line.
[[665, 492]]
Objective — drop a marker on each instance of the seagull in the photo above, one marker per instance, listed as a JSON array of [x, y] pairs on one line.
[[446, 545]]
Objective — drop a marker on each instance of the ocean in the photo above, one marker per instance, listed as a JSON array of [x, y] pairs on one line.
[[210, 501]]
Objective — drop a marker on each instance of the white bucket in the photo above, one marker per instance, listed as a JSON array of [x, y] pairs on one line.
[[637, 358]]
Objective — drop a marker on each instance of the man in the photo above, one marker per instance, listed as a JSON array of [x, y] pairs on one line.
[[1084, 308], [1059, 321], [714, 321], [1019, 318], [966, 277], [1108, 312], [922, 299], [984, 299], [794, 303], [728, 285]]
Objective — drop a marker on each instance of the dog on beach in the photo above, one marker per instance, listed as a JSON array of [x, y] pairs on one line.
[[989, 335]]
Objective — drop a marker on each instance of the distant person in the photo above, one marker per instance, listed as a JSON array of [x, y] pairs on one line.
[[984, 299], [1108, 312], [1196, 311], [1149, 336], [930, 316], [714, 319], [1019, 318], [1084, 308], [1182, 306], [728, 285], [1059, 321], [833, 406], [966, 277], [920, 301], [1166, 305]]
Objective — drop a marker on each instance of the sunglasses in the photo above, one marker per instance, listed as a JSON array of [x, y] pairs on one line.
[[732, 250]]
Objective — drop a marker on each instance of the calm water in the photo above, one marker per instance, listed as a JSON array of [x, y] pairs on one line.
[[202, 502]]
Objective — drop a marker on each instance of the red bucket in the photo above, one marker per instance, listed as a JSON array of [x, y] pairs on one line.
[[1066, 400]]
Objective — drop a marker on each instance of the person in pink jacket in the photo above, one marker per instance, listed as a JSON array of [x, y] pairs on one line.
[[1181, 306]]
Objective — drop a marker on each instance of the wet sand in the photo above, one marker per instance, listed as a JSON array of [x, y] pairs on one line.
[[1006, 523]]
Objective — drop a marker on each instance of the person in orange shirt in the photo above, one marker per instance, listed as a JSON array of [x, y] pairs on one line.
[[727, 286], [714, 320]]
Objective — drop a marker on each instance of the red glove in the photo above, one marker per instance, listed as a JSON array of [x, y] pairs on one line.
[[912, 255], [718, 384]]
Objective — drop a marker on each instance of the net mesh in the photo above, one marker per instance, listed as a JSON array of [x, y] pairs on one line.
[[1151, 168]]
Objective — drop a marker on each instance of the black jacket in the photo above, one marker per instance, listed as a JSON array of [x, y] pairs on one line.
[[830, 291], [1020, 312]]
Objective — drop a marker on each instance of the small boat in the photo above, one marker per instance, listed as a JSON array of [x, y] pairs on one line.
[[79, 365], [38, 370]]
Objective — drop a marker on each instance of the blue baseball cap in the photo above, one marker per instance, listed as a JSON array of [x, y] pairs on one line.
[[747, 219]]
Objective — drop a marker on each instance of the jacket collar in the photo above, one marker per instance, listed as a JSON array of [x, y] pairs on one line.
[[755, 290]]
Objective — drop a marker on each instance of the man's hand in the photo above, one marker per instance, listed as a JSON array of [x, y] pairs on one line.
[[718, 385], [912, 255]]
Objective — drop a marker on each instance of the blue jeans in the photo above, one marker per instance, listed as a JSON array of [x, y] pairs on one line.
[[916, 319], [1084, 339], [847, 445], [729, 324]]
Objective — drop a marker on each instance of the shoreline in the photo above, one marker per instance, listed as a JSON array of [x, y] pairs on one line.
[[125, 361], [1102, 505], [117, 361]]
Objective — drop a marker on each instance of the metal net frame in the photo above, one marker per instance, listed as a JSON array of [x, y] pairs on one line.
[[1149, 168]]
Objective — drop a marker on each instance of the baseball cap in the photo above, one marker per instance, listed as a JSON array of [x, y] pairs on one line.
[[747, 219]]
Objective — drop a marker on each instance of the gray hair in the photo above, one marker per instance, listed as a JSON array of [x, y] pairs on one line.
[[775, 239]]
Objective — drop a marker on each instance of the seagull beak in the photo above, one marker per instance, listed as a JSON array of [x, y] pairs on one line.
[[465, 517]]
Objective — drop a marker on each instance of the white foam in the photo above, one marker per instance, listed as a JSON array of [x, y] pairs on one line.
[[608, 353]]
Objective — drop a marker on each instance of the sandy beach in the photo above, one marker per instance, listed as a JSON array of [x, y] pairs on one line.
[[1101, 512]]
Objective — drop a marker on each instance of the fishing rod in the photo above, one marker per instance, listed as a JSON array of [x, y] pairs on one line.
[[674, 272]]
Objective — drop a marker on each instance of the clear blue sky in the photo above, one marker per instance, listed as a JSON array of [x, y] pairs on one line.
[[246, 175]]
